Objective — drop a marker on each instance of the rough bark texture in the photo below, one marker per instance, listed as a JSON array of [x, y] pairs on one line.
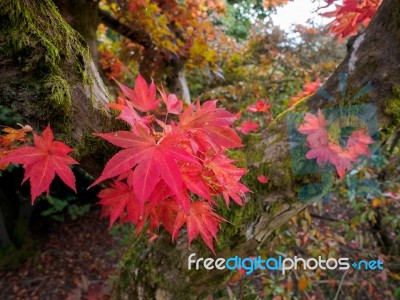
[[159, 271], [82, 16], [47, 75]]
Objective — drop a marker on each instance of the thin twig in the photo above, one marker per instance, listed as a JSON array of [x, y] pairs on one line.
[[340, 285]]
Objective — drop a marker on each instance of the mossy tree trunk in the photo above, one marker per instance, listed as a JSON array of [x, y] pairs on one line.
[[83, 16], [48, 76]]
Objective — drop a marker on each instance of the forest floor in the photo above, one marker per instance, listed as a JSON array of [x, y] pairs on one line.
[[75, 261]]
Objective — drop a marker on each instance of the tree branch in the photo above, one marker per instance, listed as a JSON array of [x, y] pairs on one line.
[[137, 36]]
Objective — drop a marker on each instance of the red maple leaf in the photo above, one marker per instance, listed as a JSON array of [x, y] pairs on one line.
[[118, 199], [228, 176], [152, 160], [326, 151], [343, 161], [130, 116], [308, 89], [43, 161], [350, 16], [210, 125], [174, 106], [202, 220], [261, 106], [323, 154], [143, 97], [247, 126]]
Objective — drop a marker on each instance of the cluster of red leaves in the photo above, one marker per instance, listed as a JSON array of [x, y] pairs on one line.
[[249, 125], [42, 161], [327, 151], [350, 16], [164, 163], [308, 89], [111, 65]]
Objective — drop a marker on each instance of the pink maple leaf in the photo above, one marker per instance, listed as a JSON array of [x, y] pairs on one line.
[[358, 142], [314, 127], [247, 126], [262, 179]]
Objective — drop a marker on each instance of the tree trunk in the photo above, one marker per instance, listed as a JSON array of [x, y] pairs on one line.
[[48, 76], [83, 16]]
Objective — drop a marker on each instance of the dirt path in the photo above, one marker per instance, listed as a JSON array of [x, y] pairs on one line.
[[75, 261]]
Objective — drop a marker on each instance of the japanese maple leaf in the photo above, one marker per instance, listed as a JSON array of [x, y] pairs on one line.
[[212, 123], [202, 220], [165, 212], [228, 176], [350, 16], [43, 161], [247, 126], [119, 201], [152, 160], [358, 142], [261, 105], [130, 116], [324, 153], [314, 128], [174, 106], [192, 175], [119, 105], [143, 97], [312, 87]]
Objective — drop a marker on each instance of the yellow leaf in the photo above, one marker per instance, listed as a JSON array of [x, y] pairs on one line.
[[308, 216], [376, 202]]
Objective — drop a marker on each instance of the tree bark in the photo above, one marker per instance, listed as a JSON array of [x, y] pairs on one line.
[[82, 16], [47, 75]]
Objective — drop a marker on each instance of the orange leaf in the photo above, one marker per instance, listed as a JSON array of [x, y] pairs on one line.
[[302, 284]]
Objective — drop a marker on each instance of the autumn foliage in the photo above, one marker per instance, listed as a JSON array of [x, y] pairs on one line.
[[172, 165], [350, 16], [42, 161]]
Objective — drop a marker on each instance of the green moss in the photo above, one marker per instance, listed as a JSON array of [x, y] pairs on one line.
[[392, 107], [45, 47], [60, 94]]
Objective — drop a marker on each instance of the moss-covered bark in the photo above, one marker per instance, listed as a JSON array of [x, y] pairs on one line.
[[83, 16], [47, 75]]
